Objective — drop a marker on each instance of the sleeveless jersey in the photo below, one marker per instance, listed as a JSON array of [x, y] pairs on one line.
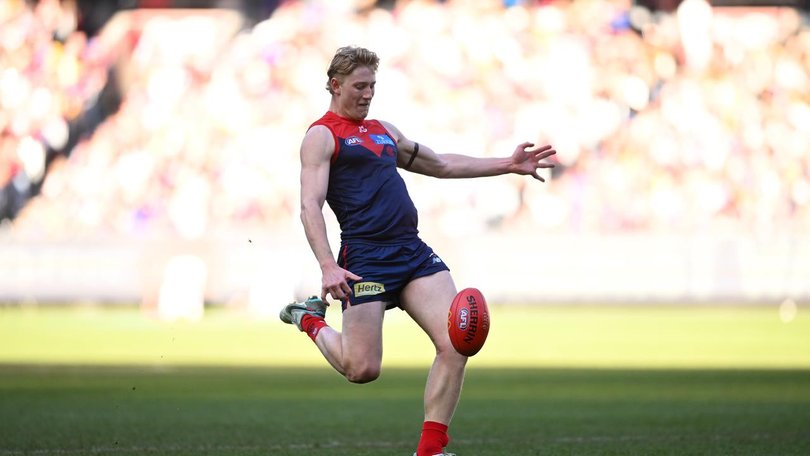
[[366, 192]]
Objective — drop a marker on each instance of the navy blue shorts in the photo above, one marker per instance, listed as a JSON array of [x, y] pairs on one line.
[[385, 269]]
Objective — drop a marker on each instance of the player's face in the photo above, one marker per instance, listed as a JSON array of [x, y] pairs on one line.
[[355, 93]]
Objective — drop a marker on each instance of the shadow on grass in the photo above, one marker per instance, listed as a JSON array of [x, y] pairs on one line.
[[52, 409]]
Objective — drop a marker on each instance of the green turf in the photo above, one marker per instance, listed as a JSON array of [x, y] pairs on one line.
[[580, 380], [50, 410]]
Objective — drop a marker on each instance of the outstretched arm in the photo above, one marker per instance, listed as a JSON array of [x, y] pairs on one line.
[[525, 160], [316, 152]]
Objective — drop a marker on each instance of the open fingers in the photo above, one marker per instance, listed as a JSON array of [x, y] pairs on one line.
[[525, 145], [543, 152], [537, 176], [539, 149], [537, 157]]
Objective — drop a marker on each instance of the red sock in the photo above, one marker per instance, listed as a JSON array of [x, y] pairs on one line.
[[312, 325], [434, 439]]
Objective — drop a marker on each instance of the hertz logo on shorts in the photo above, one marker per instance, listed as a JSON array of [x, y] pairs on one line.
[[368, 288]]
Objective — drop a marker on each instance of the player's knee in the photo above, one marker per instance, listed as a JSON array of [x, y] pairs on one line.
[[449, 355], [363, 373], [363, 376]]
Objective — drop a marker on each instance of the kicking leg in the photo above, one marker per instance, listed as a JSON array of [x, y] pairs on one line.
[[427, 300]]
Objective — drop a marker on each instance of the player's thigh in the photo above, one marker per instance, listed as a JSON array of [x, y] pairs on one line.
[[427, 300], [362, 332]]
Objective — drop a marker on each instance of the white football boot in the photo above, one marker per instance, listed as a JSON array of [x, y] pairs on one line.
[[293, 313]]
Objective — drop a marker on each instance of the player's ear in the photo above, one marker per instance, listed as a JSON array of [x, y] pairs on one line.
[[334, 84]]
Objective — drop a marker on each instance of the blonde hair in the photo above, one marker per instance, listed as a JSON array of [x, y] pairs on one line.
[[348, 58]]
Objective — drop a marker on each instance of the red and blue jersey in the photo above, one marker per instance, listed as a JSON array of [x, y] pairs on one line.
[[366, 192]]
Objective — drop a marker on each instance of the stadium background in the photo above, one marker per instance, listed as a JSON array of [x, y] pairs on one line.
[[649, 298], [150, 151]]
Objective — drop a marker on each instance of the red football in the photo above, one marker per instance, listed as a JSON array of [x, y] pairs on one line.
[[468, 321]]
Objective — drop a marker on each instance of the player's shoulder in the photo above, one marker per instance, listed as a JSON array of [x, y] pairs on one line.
[[392, 130], [318, 138], [385, 124], [318, 130]]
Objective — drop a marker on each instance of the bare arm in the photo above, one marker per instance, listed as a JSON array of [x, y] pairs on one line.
[[316, 152], [524, 160]]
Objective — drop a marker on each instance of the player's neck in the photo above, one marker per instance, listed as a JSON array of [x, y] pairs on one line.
[[335, 108], [346, 117]]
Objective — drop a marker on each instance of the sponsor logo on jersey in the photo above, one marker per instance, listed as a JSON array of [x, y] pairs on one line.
[[382, 139], [353, 141], [368, 288], [363, 129], [435, 258]]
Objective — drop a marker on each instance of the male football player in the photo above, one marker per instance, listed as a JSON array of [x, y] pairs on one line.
[[352, 163]]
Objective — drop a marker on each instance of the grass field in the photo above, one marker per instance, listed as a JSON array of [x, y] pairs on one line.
[[551, 380]]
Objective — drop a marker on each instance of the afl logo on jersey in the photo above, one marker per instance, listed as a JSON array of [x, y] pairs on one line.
[[353, 141]]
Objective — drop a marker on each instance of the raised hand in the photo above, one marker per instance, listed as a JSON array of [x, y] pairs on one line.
[[527, 161]]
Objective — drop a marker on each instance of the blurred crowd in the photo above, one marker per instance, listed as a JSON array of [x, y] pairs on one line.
[[47, 81], [691, 120]]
